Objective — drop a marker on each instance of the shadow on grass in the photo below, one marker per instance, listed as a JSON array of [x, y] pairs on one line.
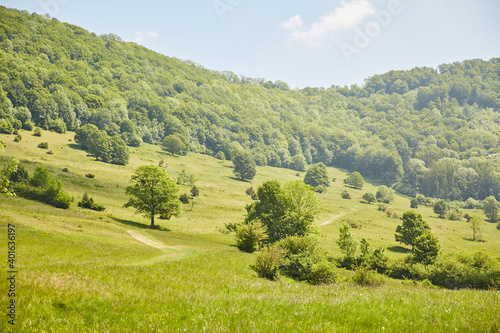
[[398, 249], [239, 179], [138, 225]]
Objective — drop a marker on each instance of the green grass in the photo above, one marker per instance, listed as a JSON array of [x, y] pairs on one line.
[[81, 271]]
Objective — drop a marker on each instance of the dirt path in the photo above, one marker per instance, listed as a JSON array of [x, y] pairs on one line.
[[333, 218], [145, 240]]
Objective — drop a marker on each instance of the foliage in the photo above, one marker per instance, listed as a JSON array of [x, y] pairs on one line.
[[355, 180], [426, 248], [491, 209], [43, 145], [43, 187], [367, 277], [184, 198], [369, 197], [88, 202], [269, 261], [153, 193], [476, 223], [184, 179], [244, 165], [413, 226], [174, 145], [220, 156], [440, 208], [89, 175], [347, 244], [414, 203], [249, 235], [345, 194], [284, 210], [384, 194], [418, 121], [316, 176]]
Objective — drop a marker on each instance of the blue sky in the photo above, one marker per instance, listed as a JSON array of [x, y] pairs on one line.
[[304, 43]]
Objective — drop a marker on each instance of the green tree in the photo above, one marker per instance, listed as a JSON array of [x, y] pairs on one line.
[[284, 210], [298, 163], [316, 176], [355, 180], [491, 209], [476, 223], [244, 165], [440, 208], [413, 226], [368, 197], [384, 194], [174, 145], [414, 203], [426, 248], [347, 243], [119, 151], [153, 193]]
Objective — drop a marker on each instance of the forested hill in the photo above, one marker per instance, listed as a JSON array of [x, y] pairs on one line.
[[430, 131]]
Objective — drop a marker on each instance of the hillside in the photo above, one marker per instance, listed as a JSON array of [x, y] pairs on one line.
[[429, 131], [80, 270]]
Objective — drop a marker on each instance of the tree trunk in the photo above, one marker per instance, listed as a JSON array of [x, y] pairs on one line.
[[152, 221]]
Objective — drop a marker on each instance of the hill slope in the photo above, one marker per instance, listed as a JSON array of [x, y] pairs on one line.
[[81, 270], [434, 132]]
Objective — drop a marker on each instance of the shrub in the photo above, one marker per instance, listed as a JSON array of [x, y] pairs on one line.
[[38, 132], [384, 194], [323, 272], [366, 277], [249, 235], [18, 138], [231, 226], [184, 198], [43, 145], [88, 202], [454, 216], [89, 175], [382, 207], [28, 126], [65, 170], [50, 152], [269, 261], [220, 156], [345, 195], [368, 197]]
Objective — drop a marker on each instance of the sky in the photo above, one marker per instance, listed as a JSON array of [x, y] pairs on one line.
[[316, 43]]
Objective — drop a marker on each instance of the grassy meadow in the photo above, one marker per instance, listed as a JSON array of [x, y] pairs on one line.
[[82, 271]]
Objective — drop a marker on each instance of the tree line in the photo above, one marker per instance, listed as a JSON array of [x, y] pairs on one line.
[[402, 127]]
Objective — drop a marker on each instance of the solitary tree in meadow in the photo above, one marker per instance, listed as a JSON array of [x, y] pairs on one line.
[[153, 193], [413, 226], [475, 223], [355, 180], [244, 165]]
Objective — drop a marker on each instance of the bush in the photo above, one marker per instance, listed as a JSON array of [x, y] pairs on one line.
[[50, 152], [18, 138], [323, 272], [88, 202], [454, 216], [38, 132], [345, 195], [382, 207], [231, 226], [43, 145], [65, 170], [220, 156], [366, 277], [249, 235], [368, 197], [28, 126], [89, 175], [184, 198], [269, 261]]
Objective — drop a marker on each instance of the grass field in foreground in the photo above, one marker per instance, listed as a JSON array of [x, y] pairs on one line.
[[82, 271]]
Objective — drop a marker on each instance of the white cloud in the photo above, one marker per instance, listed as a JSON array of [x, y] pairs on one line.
[[139, 36], [347, 16], [292, 23], [152, 34]]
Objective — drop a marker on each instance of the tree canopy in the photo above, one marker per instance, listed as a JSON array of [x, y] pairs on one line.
[[412, 227], [153, 193], [430, 131], [317, 177], [287, 210]]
